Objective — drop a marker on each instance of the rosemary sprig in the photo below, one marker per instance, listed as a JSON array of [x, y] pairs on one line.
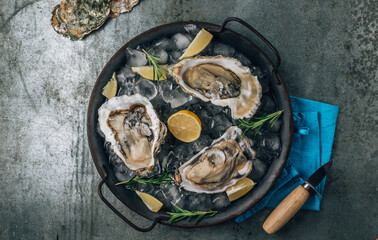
[[182, 214], [157, 69], [164, 178], [246, 126]]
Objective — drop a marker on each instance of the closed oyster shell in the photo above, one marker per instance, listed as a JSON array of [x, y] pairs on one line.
[[222, 80], [121, 6], [219, 166], [77, 18], [134, 130]]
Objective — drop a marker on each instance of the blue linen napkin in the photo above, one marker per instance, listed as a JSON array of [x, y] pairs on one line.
[[314, 129]]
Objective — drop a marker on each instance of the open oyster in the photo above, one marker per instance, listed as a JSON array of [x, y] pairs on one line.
[[215, 168], [134, 130], [120, 6], [77, 18], [222, 80]]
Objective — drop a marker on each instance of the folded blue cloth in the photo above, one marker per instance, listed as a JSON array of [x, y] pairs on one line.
[[314, 129]]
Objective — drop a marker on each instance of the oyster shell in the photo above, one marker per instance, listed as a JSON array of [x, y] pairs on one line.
[[222, 80], [134, 130], [120, 6], [219, 166], [77, 18]]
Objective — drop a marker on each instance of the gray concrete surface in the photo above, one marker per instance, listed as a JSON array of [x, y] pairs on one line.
[[48, 181]]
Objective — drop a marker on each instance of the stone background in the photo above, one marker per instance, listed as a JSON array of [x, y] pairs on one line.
[[48, 181]]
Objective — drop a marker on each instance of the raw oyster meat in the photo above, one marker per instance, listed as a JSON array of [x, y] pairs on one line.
[[134, 130], [77, 18], [222, 80], [219, 166], [120, 6]]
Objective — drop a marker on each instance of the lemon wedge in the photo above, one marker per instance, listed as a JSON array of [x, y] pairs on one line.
[[110, 89], [185, 125], [151, 202], [148, 72], [240, 189], [198, 44]]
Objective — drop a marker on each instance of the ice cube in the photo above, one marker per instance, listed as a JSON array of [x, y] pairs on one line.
[[191, 29], [121, 172], [146, 188], [146, 88], [266, 107], [257, 72], [205, 118], [220, 201], [219, 125], [159, 194], [201, 143], [264, 82], [174, 194], [170, 162], [213, 109], [175, 55], [275, 127], [243, 59], [136, 58], [165, 89], [181, 40], [179, 97], [125, 73], [271, 143], [160, 53], [199, 202], [223, 49], [182, 152], [126, 88], [163, 43], [263, 156], [259, 169]]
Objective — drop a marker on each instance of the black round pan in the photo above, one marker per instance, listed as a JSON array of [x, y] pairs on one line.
[[258, 58]]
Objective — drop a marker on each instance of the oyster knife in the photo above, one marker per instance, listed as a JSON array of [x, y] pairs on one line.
[[295, 200]]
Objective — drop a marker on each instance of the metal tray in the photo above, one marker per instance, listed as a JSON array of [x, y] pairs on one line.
[[258, 58]]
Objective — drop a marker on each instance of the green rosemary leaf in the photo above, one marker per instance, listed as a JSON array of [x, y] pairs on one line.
[[246, 126], [157, 69], [164, 178], [182, 214]]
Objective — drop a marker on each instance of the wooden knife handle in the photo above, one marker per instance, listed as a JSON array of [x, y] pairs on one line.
[[286, 210]]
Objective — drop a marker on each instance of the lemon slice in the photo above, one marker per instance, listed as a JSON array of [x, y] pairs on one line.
[[148, 72], [110, 89], [185, 125], [198, 44], [240, 189], [151, 202]]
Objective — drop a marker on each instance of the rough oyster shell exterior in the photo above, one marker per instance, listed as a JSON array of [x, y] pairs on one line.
[[76, 18], [121, 6]]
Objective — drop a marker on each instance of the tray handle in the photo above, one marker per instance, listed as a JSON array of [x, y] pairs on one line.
[[99, 189], [276, 76]]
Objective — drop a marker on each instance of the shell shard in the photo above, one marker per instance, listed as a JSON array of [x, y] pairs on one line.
[[134, 130], [222, 80], [219, 166], [121, 6], [77, 18]]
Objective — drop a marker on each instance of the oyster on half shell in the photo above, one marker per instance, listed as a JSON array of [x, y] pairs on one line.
[[222, 80], [219, 166], [134, 130]]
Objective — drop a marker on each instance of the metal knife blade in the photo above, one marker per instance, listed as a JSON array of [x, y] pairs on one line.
[[317, 177]]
